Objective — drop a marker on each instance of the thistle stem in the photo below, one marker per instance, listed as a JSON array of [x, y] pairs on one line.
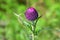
[[33, 31]]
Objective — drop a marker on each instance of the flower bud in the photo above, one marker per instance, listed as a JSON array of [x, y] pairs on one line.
[[31, 14]]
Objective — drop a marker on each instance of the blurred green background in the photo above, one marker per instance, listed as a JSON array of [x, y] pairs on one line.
[[48, 25]]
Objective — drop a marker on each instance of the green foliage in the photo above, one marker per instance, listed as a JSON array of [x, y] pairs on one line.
[[47, 27]]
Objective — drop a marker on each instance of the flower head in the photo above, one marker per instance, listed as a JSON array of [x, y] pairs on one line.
[[31, 14]]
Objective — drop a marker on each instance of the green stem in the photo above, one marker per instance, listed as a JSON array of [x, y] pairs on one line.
[[33, 30], [32, 33]]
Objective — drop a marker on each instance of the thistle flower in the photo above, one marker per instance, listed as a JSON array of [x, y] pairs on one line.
[[31, 14]]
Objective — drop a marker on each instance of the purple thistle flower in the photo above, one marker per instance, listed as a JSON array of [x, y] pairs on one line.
[[31, 14]]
